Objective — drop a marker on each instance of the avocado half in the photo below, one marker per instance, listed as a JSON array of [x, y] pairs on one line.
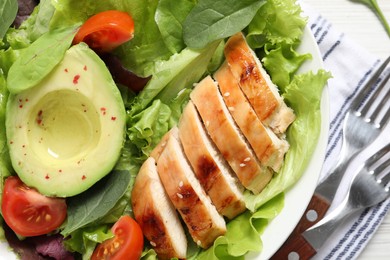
[[67, 132]]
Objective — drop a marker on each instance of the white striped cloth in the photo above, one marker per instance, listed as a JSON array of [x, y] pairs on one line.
[[351, 66]]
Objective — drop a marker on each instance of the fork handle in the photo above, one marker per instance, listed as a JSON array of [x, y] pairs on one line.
[[315, 211]]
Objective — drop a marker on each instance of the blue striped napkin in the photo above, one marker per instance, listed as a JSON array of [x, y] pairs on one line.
[[351, 66]]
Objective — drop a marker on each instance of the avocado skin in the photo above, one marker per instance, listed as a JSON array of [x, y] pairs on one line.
[[67, 132]]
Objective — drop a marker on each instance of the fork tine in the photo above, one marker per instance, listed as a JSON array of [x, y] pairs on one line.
[[370, 102], [385, 179], [379, 171], [367, 87], [386, 116], [370, 162]]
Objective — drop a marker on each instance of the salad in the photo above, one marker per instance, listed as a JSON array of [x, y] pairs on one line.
[[160, 50]]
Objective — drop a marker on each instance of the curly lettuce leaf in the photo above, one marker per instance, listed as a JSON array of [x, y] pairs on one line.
[[282, 62], [243, 233], [277, 21], [84, 240]]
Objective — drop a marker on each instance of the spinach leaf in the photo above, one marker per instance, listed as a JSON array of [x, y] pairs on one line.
[[212, 20], [39, 59], [96, 202], [8, 11], [169, 17], [373, 4]]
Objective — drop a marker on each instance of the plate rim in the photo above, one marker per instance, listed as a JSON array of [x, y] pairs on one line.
[[273, 230]]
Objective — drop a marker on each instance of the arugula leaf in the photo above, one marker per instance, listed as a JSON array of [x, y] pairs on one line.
[[96, 202], [8, 11], [375, 7], [39, 59], [212, 20]]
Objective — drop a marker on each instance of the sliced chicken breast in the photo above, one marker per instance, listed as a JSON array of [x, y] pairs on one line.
[[227, 137], [210, 168], [156, 152], [203, 221], [255, 82], [156, 215], [268, 147]]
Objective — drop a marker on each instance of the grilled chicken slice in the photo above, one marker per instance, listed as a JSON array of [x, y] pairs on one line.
[[156, 215], [268, 147], [256, 84], [210, 168], [227, 137], [203, 221], [156, 152]]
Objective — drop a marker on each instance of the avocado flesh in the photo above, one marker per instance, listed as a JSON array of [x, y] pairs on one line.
[[67, 132]]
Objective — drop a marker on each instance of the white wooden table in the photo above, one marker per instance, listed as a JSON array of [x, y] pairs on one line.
[[360, 24]]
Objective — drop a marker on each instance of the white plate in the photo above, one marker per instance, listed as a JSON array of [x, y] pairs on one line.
[[298, 197], [280, 228]]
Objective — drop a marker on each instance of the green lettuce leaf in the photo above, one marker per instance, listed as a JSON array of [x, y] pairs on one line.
[[37, 60], [170, 16], [84, 240], [8, 11], [282, 62], [277, 21]]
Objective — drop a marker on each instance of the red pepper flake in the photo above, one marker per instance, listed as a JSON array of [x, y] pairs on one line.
[[11, 142], [24, 146], [83, 177], [26, 99], [47, 177], [60, 170], [103, 110], [66, 70], [85, 67], [113, 118], [76, 79], [20, 106], [39, 117]]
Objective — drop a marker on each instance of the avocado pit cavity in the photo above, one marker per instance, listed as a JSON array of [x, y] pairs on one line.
[[63, 128]]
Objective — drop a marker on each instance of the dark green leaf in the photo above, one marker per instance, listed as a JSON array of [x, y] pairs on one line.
[[8, 11], [169, 17], [212, 20], [39, 59], [96, 202]]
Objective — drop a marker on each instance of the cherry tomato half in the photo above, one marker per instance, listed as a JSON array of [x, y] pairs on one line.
[[29, 213], [105, 31], [127, 243]]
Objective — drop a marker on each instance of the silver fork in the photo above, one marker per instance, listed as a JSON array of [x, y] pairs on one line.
[[362, 125], [368, 188]]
